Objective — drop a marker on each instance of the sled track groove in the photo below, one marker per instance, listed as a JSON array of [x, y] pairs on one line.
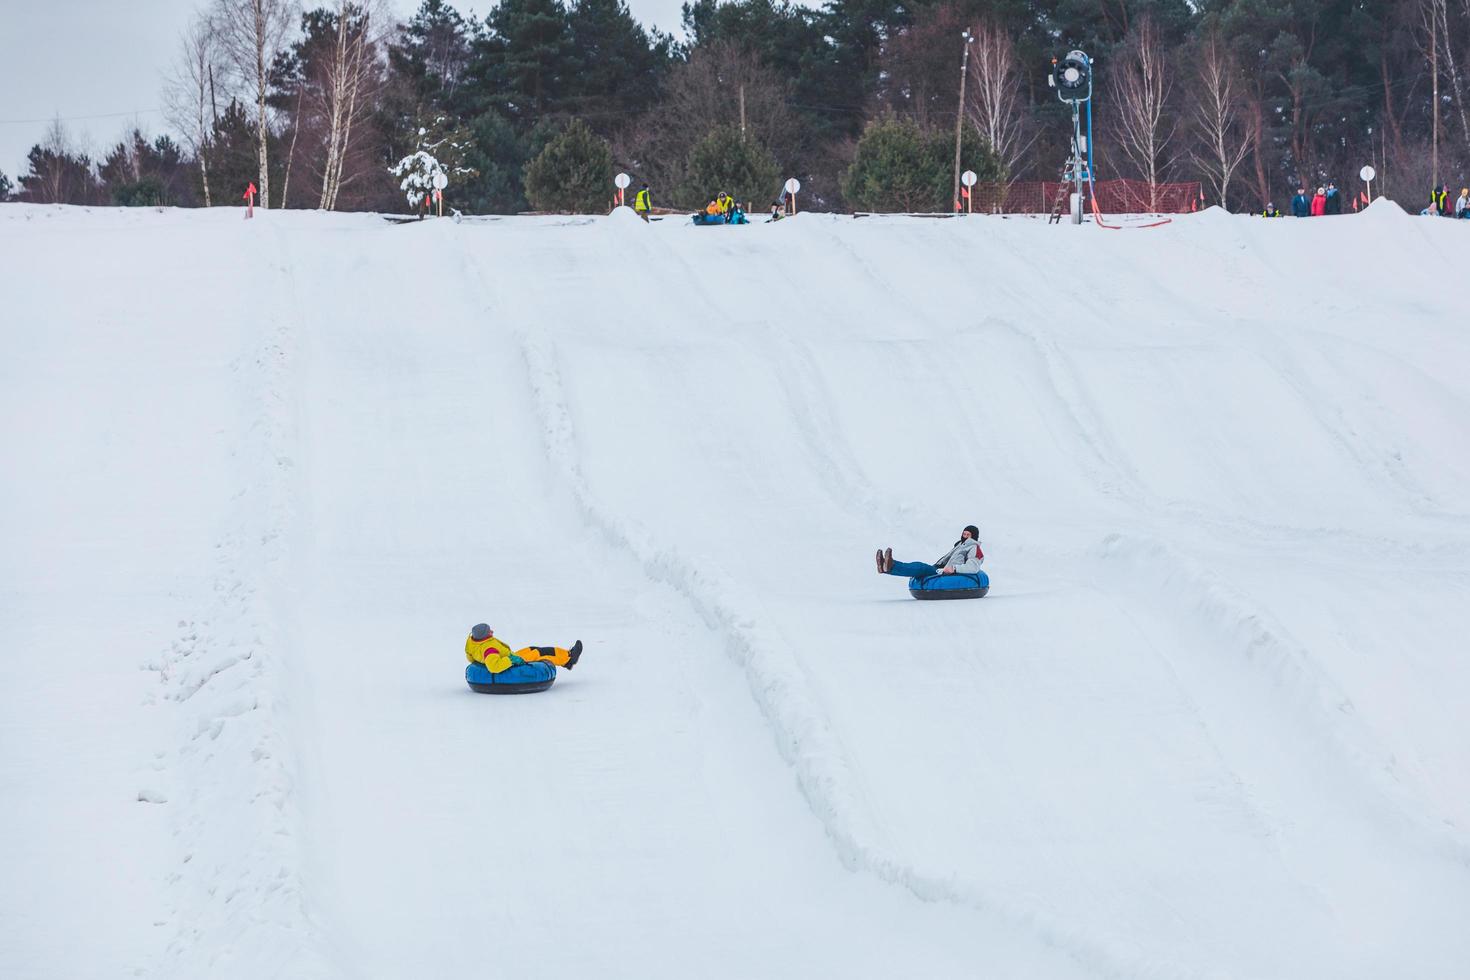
[[803, 737]]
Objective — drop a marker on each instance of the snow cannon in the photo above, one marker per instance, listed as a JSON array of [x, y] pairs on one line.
[[526, 678], [957, 586]]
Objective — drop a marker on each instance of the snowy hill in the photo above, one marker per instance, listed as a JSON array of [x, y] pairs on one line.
[[262, 477]]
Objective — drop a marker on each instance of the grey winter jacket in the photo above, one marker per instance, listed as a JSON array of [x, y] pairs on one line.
[[962, 557]]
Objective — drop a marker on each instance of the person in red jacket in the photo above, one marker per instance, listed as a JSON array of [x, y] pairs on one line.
[[1319, 202]]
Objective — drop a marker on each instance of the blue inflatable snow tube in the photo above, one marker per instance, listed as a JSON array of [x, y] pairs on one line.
[[704, 218], [526, 678], [957, 586]]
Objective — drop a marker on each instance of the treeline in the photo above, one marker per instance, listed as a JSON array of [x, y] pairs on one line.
[[537, 103]]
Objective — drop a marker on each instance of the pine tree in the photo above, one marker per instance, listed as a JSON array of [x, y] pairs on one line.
[[726, 162], [900, 167], [573, 174], [433, 56], [233, 160], [6, 187], [615, 65], [137, 173], [522, 62], [498, 155]]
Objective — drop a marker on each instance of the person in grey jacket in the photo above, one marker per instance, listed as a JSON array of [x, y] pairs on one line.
[[965, 558]]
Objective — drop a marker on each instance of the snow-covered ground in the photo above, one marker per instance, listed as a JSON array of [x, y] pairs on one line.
[[261, 477]]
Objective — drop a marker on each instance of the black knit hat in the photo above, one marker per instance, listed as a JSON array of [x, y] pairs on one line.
[[974, 532]]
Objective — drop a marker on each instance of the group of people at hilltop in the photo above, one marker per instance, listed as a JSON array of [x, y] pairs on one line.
[[726, 207], [1439, 203], [1328, 200], [722, 206]]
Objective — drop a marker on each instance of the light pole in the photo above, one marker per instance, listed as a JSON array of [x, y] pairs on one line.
[[959, 116]]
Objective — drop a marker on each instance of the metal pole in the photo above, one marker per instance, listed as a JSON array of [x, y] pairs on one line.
[[959, 117], [1434, 74], [1075, 207]]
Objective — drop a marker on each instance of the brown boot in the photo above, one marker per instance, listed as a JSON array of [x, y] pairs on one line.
[[879, 557], [887, 559]]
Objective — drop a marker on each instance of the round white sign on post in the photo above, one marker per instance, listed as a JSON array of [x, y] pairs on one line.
[[440, 181], [968, 178], [1367, 173], [622, 181], [793, 185]]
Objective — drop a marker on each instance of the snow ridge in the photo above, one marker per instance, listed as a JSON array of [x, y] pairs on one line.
[[240, 905], [1266, 644]]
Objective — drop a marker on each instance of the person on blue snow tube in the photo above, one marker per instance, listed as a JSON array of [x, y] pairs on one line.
[[481, 647], [965, 558]]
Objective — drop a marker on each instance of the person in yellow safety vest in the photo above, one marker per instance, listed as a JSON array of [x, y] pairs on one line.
[[481, 647], [642, 204], [1438, 200], [726, 202]]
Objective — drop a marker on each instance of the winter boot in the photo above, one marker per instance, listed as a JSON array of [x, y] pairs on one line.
[[574, 654], [879, 557], [887, 559]]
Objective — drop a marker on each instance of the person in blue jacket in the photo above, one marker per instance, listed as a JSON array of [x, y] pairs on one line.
[[1301, 205], [964, 558]]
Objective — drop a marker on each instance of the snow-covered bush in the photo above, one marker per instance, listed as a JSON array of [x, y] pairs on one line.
[[440, 151]]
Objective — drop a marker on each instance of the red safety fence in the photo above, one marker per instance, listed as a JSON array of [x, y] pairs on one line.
[[1112, 197]]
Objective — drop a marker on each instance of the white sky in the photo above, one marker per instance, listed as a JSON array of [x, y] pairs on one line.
[[99, 64]]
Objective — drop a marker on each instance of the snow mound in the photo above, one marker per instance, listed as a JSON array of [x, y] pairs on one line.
[[1382, 207], [624, 217]]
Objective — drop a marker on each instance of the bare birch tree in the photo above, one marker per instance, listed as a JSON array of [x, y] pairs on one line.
[[1440, 9], [994, 104], [1225, 138], [187, 97], [251, 34], [352, 74], [1141, 86]]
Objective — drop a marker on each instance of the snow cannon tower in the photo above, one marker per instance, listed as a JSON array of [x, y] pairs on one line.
[[1072, 79]]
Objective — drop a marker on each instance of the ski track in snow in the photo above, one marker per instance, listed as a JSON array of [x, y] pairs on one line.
[[805, 741], [239, 895]]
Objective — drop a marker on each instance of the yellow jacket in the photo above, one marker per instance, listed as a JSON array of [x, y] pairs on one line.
[[493, 653]]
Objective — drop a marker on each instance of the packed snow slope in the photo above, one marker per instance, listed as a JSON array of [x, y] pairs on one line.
[[262, 477]]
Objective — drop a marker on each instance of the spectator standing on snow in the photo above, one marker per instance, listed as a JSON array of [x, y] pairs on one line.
[[643, 203], [1319, 203], [1334, 199], [964, 558], [1301, 205]]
